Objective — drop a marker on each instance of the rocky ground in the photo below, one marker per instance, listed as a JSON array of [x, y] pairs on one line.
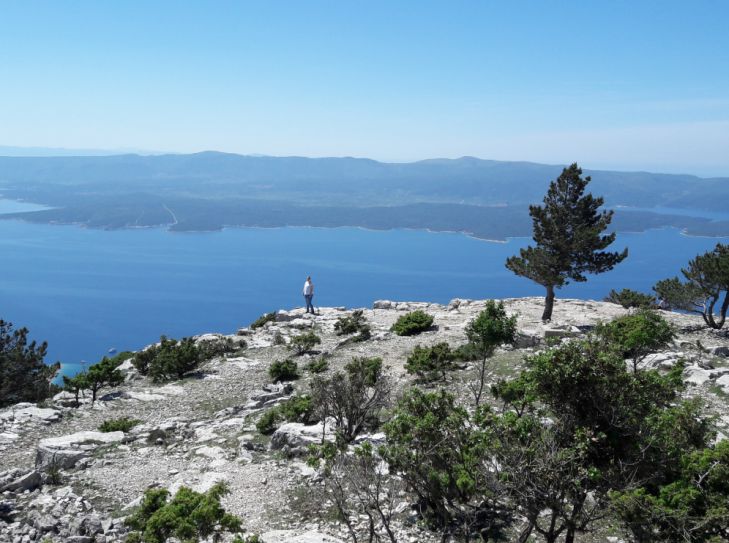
[[62, 480]]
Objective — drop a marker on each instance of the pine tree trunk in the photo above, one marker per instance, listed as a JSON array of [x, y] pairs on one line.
[[548, 304], [724, 308]]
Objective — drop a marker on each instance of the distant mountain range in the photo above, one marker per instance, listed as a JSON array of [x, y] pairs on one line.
[[211, 190]]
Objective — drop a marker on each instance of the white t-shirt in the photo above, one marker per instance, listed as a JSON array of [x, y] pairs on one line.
[[308, 288]]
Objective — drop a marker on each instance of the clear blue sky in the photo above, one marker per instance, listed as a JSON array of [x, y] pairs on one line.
[[625, 85]]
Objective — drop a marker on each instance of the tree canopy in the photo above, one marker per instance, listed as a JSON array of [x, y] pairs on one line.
[[568, 232]]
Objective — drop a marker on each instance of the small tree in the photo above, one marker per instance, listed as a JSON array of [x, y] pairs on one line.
[[430, 363], [103, 374], [631, 298], [24, 376], [75, 385], [568, 232], [303, 343], [353, 398], [169, 359], [491, 328], [707, 278]]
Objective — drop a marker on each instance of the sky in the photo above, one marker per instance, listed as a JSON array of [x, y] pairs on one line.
[[634, 85]]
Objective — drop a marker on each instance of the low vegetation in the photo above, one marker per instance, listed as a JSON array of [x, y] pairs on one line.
[[188, 516], [304, 343], [101, 375], [169, 359], [123, 424], [318, 365], [413, 323], [631, 299], [283, 370], [354, 325], [297, 409], [264, 319], [430, 363]]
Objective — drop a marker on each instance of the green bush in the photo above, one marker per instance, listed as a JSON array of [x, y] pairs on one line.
[[283, 370], [320, 365], [122, 424], [98, 376], [351, 324], [296, 409], [264, 319], [219, 347], [630, 298], [188, 517], [637, 335], [430, 363], [369, 370], [169, 359], [412, 323], [468, 352], [268, 422], [24, 376], [303, 343]]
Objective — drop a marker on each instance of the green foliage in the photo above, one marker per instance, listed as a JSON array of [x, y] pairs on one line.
[[430, 363], [491, 328], [283, 370], [297, 409], [352, 324], [369, 370], [170, 359], [468, 352], [568, 233], [24, 376], [319, 365], [637, 335], [631, 298], [264, 319], [354, 398], [219, 347], [75, 385], [100, 375], [268, 422], [123, 424], [439, 452], [694, 506], [303, 343], [706, 279], [188, 517], [412, 323]]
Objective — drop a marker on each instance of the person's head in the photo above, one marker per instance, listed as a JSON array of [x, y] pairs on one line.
[[309, 278]]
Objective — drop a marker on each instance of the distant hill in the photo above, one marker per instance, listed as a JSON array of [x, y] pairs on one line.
[[211, 190]]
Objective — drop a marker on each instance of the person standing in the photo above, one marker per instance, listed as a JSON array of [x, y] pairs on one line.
[[309, 294]]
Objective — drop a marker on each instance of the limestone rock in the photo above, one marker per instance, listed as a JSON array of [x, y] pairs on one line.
[[66, 451], [17, 481], [294, 438], [290, 536], [696, 375]]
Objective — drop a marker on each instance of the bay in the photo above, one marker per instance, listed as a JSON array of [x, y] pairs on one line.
[[86, 291]]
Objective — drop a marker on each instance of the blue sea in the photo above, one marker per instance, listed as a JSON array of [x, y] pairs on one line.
[[87, 291]]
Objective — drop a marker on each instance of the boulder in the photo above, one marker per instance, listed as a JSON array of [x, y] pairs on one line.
[[664, 360], [25, 412], [721, 350], [696, 375], [66, 451], [17, 481], [382, 304], [294, 438], [561, 331], [723, 382]]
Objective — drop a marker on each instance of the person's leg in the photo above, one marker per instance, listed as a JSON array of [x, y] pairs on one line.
[[308, 303]]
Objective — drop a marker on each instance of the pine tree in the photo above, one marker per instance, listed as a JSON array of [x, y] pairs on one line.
[[568, 232]]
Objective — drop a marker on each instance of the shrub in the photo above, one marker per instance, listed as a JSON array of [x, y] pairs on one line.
[[122, 424], [468, 352], [430, 363], [188, 516], [353, 398], [278, 338], [98, 376], [264, 319], [268, 422], [351, 324], [24, 376], [631, 298], [283, 370], [296, 409], [320, 365], [412, 323], [303, 343], [635, 336], [169, 359], [219, 347]]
